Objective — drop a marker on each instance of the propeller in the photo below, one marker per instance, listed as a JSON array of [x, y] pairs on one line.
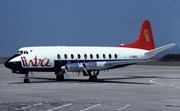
[[64, 69], [82, 66]]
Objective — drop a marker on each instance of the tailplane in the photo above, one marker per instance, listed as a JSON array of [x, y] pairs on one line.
[[153, 52], [145, 39]]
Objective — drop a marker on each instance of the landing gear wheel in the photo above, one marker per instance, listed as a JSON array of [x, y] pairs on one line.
[[26, 80], [93, 78], [60, 77]]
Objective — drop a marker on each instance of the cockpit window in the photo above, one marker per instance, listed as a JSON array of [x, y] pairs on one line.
[[26, 52], [22, 52]]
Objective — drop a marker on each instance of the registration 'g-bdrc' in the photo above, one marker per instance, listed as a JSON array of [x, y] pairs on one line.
[[36, 62]]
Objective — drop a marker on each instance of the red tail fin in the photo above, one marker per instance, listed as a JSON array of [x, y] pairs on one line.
[[145, 39]]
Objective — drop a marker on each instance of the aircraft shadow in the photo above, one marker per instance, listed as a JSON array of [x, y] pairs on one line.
[[100, 80]]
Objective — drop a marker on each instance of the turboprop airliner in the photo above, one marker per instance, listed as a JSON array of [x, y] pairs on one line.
[[88, 60]]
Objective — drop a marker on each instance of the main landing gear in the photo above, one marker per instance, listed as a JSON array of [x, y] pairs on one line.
[[93, 77], [59, 77]]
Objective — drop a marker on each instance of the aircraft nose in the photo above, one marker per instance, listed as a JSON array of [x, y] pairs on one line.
[[8, 64]]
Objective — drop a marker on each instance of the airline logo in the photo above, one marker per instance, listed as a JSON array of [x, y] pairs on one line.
[[146, 35], [36, 62]]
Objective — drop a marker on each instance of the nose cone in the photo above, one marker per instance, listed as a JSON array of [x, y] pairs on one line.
[[8, 64]]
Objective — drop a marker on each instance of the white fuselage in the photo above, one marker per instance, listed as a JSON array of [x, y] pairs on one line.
[[103, 57]]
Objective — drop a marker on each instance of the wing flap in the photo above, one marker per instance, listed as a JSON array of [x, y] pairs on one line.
[[120, 62], [113, 63]]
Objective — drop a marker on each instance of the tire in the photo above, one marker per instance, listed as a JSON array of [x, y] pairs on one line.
[[26, 80], [60, 77], [93, 78]]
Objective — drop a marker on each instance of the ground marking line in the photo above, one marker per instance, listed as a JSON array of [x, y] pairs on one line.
[[152, 81], [127, 105], [170, 85], [34, 105], [94, 106], [60, 107]]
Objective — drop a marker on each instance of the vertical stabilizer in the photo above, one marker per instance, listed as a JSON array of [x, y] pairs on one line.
[[145, 39]]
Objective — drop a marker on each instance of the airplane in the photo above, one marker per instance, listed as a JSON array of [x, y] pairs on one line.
[[88, 60]]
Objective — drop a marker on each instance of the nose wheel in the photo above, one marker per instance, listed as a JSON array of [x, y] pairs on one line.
[[26, 79]]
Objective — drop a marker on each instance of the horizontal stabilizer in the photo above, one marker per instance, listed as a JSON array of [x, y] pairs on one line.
[[153, 52]]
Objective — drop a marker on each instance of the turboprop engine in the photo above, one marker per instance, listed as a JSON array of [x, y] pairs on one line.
[[76, 67]]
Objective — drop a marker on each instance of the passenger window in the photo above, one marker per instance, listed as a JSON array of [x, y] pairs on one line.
[[58, 56], [104, 56], [91, 56], [85, 56], [97, 56], [65, 56], [110, 56], [79, 56], [72, 56], [115, 56]]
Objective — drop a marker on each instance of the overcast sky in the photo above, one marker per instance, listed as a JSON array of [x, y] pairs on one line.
[[85, 22]]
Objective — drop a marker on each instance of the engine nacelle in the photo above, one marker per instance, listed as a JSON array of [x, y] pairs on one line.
[[90, 65], [73, 67]]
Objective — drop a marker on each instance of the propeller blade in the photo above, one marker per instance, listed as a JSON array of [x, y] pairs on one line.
[[79, 73], [66, 72], [85, 70], [81, 66]]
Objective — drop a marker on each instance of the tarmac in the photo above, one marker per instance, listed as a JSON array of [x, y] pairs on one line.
[[133, 88]]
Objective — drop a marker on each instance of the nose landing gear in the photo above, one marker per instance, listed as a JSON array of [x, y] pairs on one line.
[[26, 79]]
